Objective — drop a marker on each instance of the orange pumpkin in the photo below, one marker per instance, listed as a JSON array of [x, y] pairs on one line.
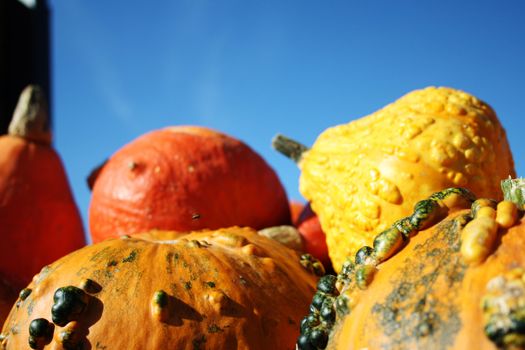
[[185, 178], [445, 277], [39, 219], [224, 289]]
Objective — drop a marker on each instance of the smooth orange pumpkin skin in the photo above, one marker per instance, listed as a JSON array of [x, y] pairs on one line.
[[185, 178], [455, 291], [39, 219], [235, 290]]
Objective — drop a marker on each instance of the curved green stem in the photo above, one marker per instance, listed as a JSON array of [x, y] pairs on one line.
[[288, 147]]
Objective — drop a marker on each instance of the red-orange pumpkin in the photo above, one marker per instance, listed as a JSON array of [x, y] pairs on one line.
[[39, 219], [185, 178], [224, 289]]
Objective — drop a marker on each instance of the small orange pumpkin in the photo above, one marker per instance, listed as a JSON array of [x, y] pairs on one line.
[[446, 277], [39, 219], [224, 289], [185, 178]]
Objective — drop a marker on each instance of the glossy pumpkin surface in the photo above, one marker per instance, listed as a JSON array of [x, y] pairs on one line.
[[185, 178], [39, 219], [224, 289]]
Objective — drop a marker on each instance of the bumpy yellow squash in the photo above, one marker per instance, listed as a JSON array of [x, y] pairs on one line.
[[362, 176]]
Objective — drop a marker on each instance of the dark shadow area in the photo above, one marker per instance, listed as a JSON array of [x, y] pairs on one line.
[[24, 53], [78, 337], [179, 310]]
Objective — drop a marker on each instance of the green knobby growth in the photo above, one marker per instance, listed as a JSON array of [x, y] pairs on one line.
[[68, 305], [312, 265], [40, 333], [331, 303]]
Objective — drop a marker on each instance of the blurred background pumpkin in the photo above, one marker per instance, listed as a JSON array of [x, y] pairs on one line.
[[39, 219], [185, 178]]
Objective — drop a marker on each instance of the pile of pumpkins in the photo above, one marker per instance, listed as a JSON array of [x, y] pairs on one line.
[[409, 238]]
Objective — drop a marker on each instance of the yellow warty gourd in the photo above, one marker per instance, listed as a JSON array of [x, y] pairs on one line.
[[362, 176]]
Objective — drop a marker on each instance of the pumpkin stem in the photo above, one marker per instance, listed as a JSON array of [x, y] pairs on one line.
[[514, 191], [30, 118], [287, 235], [288, 147]]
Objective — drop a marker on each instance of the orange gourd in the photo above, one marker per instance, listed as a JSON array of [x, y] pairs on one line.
[[450, 276], [185, 178], [216, 289], [39, 219]]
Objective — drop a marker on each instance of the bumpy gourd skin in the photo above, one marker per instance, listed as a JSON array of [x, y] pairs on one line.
[[363, 175], [225, 289], [456, 282]]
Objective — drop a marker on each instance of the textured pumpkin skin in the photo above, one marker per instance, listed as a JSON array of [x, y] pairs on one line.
[[234, 290], [185, 178], [39, 219], [362, 176], [428, 286]]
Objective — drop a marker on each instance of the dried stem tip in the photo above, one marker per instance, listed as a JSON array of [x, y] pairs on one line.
[[514, 191], [290, 148], [30, 118]]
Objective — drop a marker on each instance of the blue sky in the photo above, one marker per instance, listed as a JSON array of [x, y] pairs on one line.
[[256, 68]]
